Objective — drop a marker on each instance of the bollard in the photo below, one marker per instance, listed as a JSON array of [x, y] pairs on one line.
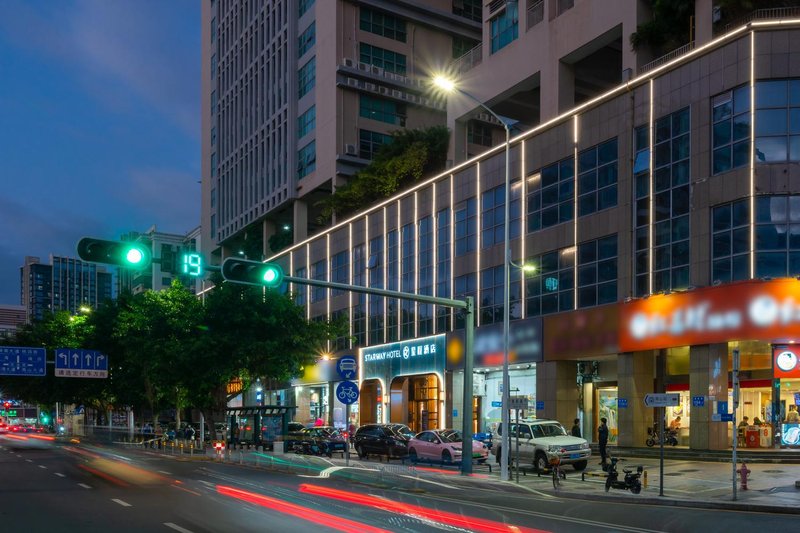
[[743, 472], [644, 479]]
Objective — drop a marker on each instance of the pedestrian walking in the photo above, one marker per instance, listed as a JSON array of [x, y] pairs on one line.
[[602, 439], [576, 428]]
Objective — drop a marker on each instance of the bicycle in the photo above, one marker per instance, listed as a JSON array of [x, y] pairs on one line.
[[558, 473]]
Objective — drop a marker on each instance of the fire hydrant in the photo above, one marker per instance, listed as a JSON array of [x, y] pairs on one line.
[[743, 472]]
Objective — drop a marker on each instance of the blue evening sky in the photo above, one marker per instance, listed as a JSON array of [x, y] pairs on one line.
[[99, 124]]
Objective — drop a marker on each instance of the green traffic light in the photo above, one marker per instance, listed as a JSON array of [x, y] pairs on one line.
[[252, 272], [270, 276], [134, 256]]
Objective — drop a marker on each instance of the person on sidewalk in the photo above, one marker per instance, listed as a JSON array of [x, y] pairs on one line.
[[793, 417], [602, 439], [675, 424], [576, 428]]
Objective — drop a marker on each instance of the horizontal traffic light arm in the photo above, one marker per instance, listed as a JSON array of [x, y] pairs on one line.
[[249, 272]]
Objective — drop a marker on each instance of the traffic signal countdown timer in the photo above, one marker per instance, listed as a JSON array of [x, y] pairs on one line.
[[252, 272], [124, 254]]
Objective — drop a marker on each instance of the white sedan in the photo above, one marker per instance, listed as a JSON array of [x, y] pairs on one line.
[[443, 445]]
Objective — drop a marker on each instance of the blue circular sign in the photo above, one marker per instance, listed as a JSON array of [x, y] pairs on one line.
[[347, 392], [347, 367]]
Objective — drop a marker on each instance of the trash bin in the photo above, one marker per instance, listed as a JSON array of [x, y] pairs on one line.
[[752, 437], [766, 436]]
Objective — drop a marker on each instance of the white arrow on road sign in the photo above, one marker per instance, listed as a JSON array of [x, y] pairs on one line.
[[75, 359], [66, 358], [667, 399], [88, 359], [100, 357]]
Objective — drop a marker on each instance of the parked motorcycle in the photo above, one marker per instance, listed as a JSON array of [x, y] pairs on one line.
[[653, 437], [632, 480]]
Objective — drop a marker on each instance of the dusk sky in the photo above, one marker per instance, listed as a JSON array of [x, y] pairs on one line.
[[99, 106]]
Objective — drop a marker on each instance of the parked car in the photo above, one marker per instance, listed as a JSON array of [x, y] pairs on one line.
[[542, 440], [443, 445], [327, 438], [390, 440]]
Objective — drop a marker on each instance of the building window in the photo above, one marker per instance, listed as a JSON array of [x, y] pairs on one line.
[[213, 30], [382, 110], [425, 274], [505, 27], [493, 215], [386, 59], [307, 122], [597, 178], [392, 277], [343, 342], [304, 6], [306, 40], [464, 286], [213, 136], [443, 313], [214, 67], [672, 195], [214, 164], [319, 273], [641, 177], [731, 130], [730, 242], [375, 266], [469, 9], [597, 272], [777, 121], [214, 102], [306, 77], [551, 289], [551, 196], [306, 159], [777, 236], [408, 280], [466, 227], [479, 133], [370, 141], [383, 24], [359, 265], [301, 290], [491, 302], [339, 271]]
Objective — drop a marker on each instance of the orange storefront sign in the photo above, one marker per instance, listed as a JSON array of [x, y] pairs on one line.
[[751, 310]]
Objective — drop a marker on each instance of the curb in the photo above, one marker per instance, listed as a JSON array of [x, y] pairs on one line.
[[699, 504]]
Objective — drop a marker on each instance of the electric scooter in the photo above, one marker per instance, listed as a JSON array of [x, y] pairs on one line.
[[631, 481]]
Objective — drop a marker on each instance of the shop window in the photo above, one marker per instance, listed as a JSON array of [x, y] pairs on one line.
[[597, 181], [730, 135], [551, 195], [551, 289], [730, 242], [597, 272]]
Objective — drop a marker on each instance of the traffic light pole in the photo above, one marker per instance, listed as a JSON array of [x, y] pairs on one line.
[[469, 334]]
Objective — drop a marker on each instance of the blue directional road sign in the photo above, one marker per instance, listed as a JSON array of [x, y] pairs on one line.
[[22, 361], [497, 404], [728, 417], [622, 402], [75, 363], [539, 405], [347, 367], [698, 401], [347, 392]]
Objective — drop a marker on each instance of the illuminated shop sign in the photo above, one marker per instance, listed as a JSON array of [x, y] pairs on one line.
[[414, 356], [786, 361], [753, 310]]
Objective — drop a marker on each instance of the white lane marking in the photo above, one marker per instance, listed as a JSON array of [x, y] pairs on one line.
[[431, 482], [28, 460], [168, 474], [324, 474], [176, 527], [42, 466], [59, 474], [84, 485], [122, 503]]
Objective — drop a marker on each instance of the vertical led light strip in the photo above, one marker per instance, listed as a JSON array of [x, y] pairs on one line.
[[452, 231], [651, 203], [435, 240], [350, 312], [478, 243], [752, 155], [416, 226], [575, 213], [399, 234], [523, 230], [291, 270], [308, 275], [365, 279], [385, 268], [328, 277]]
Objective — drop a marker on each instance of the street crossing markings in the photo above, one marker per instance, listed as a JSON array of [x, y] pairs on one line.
[[42, 466], [84, 485], [176, 527], [59, 474], [121, 502], [28, 460]]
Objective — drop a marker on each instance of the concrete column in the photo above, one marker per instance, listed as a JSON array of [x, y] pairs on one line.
[[635, 375], [300, 220], [267, 231], [708, 377], [703, 30], [557, 387]]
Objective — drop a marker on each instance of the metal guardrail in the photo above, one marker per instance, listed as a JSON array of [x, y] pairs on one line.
[[535, 14], [467, 61], [667, 58], [761, 14]]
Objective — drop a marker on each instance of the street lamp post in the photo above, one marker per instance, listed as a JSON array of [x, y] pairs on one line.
[[505, 440]]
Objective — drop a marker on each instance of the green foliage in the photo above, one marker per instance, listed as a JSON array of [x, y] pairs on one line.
[[409, 157], [668, 28], [280, 240]]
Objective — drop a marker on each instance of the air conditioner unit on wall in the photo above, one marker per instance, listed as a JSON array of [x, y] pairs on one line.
[[350, 149], [349, 62], [352, 82], [377, 70], [397, 94], [370, 86], [363, 66], [383, 90]]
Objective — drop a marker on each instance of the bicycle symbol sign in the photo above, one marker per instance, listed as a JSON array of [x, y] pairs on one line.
[[347, 392]]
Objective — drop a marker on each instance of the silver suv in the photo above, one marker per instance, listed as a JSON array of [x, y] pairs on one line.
[[542, 440]]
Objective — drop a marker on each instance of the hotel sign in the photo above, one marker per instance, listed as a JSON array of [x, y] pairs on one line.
[[415, 356], [751, 310]]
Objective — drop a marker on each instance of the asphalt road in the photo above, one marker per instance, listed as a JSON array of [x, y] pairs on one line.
[[84, 488]]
